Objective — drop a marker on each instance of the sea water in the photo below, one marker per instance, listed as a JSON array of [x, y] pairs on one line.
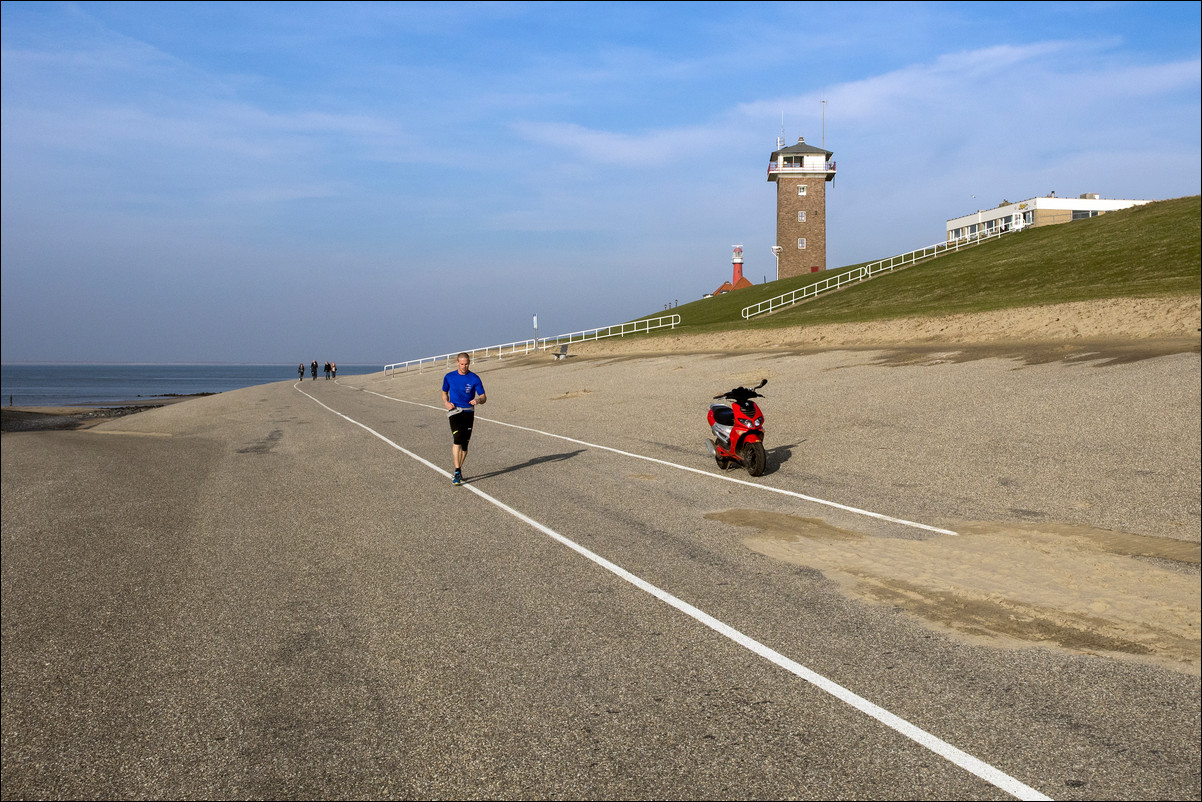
[[28, 385]]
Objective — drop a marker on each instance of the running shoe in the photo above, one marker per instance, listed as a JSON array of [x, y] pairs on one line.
[[457, 479]]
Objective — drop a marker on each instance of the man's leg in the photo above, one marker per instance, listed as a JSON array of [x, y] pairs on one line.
[[461, 431]]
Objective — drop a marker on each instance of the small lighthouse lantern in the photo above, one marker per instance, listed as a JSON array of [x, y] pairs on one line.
[[737, 281]]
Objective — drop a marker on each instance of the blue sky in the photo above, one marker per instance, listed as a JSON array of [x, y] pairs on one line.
[[279, 182]]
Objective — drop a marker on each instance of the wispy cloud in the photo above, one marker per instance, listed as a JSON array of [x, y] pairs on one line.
[[662, 147]]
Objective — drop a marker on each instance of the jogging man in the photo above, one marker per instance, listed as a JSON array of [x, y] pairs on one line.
[[462, 392]]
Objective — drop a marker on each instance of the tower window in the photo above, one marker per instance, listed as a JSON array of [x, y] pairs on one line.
[[801, 217], [801, 244], [801, 190]]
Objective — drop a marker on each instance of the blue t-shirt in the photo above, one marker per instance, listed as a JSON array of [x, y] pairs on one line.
[[462, 388]]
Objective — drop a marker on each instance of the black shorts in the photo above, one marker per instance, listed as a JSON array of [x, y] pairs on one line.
[[461, 427]]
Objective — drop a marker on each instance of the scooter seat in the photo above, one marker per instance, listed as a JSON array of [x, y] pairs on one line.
[[723, 415]]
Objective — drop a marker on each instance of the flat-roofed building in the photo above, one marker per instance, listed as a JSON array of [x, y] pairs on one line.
[[1031, 213]]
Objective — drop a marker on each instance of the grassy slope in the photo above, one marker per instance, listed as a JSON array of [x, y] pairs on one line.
[[1151, 250]]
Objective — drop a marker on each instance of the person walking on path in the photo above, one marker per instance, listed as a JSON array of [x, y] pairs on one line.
[[300, 371], [462, 392], [313, 367]]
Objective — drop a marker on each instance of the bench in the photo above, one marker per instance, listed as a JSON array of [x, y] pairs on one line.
[[562, 352]]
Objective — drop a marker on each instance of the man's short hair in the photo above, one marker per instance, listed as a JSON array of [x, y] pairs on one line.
[[463, 355]]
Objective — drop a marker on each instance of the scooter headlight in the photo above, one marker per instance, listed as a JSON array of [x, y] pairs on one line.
[[758, 422]]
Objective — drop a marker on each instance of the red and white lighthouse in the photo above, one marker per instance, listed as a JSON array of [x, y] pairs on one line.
[[737, 282]]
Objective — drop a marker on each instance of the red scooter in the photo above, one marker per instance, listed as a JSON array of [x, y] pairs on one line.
[[738, 431]]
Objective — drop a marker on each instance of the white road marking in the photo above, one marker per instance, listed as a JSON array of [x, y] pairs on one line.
[[770, 489], [958, 757]]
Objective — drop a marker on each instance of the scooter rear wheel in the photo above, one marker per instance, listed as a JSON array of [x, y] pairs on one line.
[[723, 462], [754, 458]]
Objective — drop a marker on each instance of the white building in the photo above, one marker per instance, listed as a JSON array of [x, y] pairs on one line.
[[1033, 212]]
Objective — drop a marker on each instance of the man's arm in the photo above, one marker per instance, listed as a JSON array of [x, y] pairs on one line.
[[446, 399]]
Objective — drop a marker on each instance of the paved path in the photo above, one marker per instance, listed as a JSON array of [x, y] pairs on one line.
[[277, 593]]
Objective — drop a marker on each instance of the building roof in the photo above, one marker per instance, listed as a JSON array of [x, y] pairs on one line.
[[801, 147], [742, 283], [1090, 202]]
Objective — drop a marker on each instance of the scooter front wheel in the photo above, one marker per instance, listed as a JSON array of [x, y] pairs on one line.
[[754, 458]]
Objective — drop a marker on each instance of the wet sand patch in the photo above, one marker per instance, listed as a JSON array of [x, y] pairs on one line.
[[1041, 584], [45, 419]]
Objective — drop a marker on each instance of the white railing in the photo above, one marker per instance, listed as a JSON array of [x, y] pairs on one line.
[[499, 351], [862, 273], [620, 330], [542, 344], [773, 167]]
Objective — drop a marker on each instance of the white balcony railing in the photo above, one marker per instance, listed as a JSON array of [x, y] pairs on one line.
[[773, 167]]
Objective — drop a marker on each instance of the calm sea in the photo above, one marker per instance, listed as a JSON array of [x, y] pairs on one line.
[[113, 385]]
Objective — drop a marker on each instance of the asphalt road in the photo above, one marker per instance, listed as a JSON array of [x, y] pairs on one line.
[[277, 593]]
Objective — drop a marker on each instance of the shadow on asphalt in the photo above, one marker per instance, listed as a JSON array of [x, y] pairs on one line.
[[530, 463], [779, 456]]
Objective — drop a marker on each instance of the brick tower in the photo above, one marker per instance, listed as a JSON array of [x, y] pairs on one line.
[[800, 172]]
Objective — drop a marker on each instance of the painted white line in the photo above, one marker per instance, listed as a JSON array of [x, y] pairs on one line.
[[769, 488], [958, 757]]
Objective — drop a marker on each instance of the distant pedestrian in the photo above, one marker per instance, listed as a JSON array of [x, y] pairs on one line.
[[300, 371], [462, 392], [313, 368], [334, 369], [327, 370]]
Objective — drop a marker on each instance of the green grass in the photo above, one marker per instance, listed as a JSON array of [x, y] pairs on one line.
[[1147, 251]]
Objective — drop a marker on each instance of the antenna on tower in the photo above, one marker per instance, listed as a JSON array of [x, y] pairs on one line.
[[824, 125], [780, 140]]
